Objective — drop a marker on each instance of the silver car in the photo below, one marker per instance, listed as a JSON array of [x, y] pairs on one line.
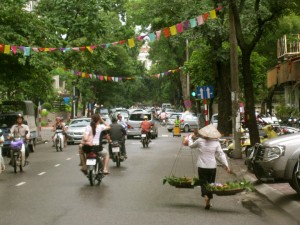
[[188, 121], [134, 124], [277, 160], [76, 129]]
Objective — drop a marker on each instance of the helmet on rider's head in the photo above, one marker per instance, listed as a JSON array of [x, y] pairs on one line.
[[114, 119], [20, 116], [145, 117]]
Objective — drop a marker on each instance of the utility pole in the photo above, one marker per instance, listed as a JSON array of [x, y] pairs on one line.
[[188, 73], [237, 153]]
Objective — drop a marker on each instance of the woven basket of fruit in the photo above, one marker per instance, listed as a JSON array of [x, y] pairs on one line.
[[181, 182], [229, 188]]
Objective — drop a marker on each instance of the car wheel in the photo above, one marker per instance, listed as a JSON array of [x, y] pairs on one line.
[[170, 130], [296, 179], [186, 128]]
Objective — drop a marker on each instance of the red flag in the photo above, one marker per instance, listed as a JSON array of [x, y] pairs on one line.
[[166, 32]]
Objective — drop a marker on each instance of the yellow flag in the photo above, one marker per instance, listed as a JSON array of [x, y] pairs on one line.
[[173, 30], [90, 49], [213, 14], [82, 74], [7, 49], [131, 43]]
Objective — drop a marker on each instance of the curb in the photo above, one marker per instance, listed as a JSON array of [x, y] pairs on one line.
[[277, 198]]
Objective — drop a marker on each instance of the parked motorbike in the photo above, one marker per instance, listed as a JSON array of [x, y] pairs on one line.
[[94, 163], [18, 154], [59, 140], [116, 153], [145, 140]]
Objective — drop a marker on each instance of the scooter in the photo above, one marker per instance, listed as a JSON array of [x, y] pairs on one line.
[[59, 140], [116, 153], [94, 163], [145, 140], [18, 154]]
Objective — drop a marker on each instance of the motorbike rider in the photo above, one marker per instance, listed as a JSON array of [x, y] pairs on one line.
[[2, 165], [163, 117], [59, 125], [90, 138], [117, 133], [146, 127], [121, 121], [20, 130]]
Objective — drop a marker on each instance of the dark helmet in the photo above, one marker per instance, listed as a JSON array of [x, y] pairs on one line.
[[20, 116], [114, 119]]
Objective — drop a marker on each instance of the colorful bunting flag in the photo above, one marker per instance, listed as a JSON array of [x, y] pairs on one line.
[[158, 33], [173, 30], [213, 14], [7, 49], [131, 43], [166, 32], [152, 37], [200, 20], [193, 23], [179, 27]]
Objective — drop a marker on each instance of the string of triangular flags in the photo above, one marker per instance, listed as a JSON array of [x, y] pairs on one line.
[[167, 32], [119, 79]]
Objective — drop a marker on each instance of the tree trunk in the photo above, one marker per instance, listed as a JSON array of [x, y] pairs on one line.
[[183, 86], [224, 99], [249, 98]]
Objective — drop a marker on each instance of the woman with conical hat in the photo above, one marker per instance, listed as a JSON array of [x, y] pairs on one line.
[[209, 147]]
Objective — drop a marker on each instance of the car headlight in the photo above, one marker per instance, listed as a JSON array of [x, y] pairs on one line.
[[274, 152]]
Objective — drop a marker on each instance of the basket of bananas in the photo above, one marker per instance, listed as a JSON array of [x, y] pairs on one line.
[[229, 188], [181, 182]]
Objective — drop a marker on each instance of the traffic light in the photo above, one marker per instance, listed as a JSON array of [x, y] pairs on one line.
[[193, 93]]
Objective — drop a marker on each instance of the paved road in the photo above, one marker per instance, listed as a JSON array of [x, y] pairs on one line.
[[52, 191]]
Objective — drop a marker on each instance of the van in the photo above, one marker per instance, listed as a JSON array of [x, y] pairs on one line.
[[166, 106], [8, 114], [134, 124]]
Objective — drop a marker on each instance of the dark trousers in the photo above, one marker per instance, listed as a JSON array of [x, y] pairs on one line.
[[206, 176]]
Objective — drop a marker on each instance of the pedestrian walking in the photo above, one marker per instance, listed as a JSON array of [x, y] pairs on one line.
[[209, 148]]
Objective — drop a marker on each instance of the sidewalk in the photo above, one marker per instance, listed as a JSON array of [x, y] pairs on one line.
[[280, 194]]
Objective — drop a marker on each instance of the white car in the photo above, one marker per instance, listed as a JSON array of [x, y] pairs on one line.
[[214, 119]]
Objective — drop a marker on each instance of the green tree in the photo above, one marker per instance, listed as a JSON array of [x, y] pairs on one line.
[[251, 20]]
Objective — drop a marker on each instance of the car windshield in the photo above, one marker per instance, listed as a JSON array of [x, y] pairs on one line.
[[173, 116], [139, 117], [79, 123]]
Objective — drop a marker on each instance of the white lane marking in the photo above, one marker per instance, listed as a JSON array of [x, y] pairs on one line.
[[165, 135], [68, 158], [19, 184], [42, 173], [56, 165]]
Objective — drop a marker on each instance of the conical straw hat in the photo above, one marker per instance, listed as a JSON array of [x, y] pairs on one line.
[[210, 131]]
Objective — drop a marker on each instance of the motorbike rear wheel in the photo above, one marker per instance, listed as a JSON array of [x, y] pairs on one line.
[[118, 160], [92, 174]]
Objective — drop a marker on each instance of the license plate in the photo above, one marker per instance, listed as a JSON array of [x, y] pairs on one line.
[[115, 149], [143, 135], [91, 162]]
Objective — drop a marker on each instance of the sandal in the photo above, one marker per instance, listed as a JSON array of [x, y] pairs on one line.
[[106, 172], [83, 171]]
